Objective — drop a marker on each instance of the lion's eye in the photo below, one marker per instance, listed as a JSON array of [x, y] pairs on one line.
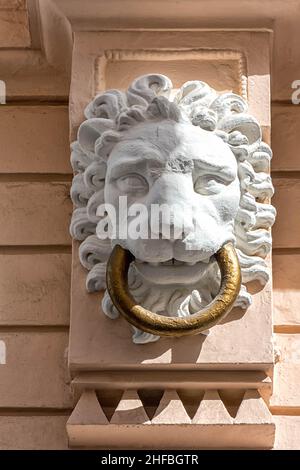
[[209, 184], [132, 183]]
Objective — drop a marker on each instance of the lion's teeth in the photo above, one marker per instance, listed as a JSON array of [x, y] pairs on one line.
[[178, 263], [191, 263], [167, 263]]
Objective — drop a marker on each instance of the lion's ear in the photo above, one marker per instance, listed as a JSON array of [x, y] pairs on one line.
[[90, 131]]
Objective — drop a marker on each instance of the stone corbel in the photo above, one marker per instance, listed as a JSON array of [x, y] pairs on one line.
[[210, 140]]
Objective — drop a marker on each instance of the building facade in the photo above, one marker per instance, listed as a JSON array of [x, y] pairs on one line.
[[61, 388]]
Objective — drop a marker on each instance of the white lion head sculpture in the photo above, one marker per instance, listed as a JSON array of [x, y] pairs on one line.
[[199, 149]]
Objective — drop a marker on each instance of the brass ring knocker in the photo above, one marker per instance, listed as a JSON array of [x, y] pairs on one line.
[[117, 285]]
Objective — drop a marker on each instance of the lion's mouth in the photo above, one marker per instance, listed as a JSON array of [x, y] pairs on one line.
[[172, 271]]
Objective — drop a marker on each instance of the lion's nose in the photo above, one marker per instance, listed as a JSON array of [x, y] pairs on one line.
[[181, 228], [173, 200], [173, 229]]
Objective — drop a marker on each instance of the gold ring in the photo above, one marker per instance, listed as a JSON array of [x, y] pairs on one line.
[[161, 325]]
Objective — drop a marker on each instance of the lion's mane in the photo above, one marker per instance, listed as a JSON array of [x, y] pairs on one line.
[[151, 97]]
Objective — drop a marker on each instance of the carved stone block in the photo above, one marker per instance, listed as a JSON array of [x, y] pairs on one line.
[[243, 340]]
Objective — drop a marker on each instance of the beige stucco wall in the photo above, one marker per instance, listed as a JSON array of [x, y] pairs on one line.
[[35, 252], [35, 397]]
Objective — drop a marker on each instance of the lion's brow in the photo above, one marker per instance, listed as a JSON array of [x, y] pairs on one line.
[[202, 164], [137, 148]]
